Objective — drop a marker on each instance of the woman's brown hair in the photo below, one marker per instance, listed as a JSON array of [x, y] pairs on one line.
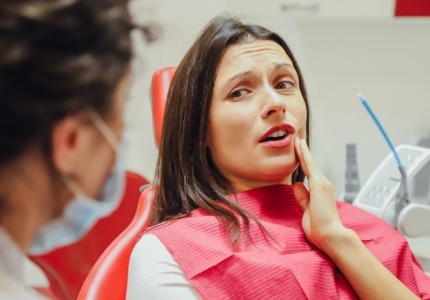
[[186, 176]]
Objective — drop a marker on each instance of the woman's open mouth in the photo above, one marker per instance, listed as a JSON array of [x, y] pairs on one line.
[[278, 136]]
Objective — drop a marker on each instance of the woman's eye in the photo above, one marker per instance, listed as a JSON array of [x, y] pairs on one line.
[[285, 85], [237, 93]]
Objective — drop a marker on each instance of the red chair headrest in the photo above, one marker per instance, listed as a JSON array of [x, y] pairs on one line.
[[159, 89]]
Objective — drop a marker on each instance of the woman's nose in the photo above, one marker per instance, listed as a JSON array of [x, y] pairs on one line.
[[274, 104]]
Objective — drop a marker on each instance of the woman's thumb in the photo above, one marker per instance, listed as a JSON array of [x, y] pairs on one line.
[[302, 195]]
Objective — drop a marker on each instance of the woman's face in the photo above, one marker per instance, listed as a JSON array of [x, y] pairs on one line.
[[257, 109]]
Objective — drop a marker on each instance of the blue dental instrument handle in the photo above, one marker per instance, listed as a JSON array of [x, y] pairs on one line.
[[402, 197], [387, 139]]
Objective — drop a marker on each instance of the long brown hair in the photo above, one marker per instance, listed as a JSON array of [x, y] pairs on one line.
[[185, 175]]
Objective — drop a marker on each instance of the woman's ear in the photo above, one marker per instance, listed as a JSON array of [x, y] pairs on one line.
[[65, 143]]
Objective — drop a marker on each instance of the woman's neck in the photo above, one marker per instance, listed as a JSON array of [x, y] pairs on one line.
[[275, 202], [244, 185]]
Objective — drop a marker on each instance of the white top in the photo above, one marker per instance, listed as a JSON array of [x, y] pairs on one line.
[[154, 274], [17, 272]]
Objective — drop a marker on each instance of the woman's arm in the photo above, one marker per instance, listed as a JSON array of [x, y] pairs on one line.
[[154, 274], [323, 228]]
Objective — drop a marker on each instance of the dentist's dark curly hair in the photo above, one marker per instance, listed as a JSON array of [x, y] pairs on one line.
[[57, 58]]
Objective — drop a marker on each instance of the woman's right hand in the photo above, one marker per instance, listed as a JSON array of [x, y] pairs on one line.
[[323, 228], [321, 222]]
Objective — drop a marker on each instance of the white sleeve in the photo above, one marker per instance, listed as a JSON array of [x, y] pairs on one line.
[[154, 274]]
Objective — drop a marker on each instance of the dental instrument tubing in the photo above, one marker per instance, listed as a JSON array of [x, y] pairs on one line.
[[387, 139]]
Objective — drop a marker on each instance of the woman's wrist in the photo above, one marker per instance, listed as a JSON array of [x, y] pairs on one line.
[[340, 242]]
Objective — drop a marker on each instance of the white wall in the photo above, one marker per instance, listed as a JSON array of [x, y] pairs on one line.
[[389, 62], [387, 59], [181, 22]]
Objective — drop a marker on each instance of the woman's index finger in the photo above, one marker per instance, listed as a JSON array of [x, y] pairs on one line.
[[308, 160]]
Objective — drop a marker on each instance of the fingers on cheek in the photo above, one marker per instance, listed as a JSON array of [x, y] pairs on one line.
[[299, 154], [303, 144], [305, 155], [297, 146]]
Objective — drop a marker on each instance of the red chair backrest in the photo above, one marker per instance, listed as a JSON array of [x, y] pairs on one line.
[[68, 266], [108, 277], [159, 89]]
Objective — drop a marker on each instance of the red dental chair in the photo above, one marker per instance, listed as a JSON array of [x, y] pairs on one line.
[[159, 89], [101, 257], [108, 278], [67, 267]]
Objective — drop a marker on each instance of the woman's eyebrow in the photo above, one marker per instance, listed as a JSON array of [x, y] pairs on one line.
[[277, 66], [243, 74], [287, 65]]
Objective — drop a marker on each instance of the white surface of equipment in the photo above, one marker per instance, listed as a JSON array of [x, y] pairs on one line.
[[378, 196]]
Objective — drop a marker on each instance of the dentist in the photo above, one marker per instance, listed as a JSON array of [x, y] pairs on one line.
[[64, 74]]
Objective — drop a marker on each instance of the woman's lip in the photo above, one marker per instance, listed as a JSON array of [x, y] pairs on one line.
[[285, 142], [286, 127]]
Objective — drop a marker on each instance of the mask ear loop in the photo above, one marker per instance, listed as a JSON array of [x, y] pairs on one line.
[[104, 130], [110, 138], [73, 186]]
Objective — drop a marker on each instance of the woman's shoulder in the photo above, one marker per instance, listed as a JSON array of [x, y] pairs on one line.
[[148, 254], [154, 274], [150, 245], [150, 258], [196, 222]]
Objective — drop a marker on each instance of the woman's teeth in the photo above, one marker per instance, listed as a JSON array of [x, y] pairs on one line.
[[278, 133]]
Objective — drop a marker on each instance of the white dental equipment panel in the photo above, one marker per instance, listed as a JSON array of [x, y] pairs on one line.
[[378, 196], [379, 192]]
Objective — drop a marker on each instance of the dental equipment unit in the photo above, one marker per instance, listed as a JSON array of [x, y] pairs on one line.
[[401, 197]]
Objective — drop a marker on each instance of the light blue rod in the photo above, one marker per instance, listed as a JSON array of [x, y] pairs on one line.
[[387, 139]]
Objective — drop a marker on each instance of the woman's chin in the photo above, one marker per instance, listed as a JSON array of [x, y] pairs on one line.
[[280, 172], [279, 178]]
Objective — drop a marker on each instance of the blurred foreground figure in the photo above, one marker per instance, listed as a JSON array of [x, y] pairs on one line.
[[64, 75]]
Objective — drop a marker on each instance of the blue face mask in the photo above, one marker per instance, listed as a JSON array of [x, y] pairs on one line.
[[83, 212]]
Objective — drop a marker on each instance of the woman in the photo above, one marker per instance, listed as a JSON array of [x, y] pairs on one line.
[[232, 218], [64, 73]]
